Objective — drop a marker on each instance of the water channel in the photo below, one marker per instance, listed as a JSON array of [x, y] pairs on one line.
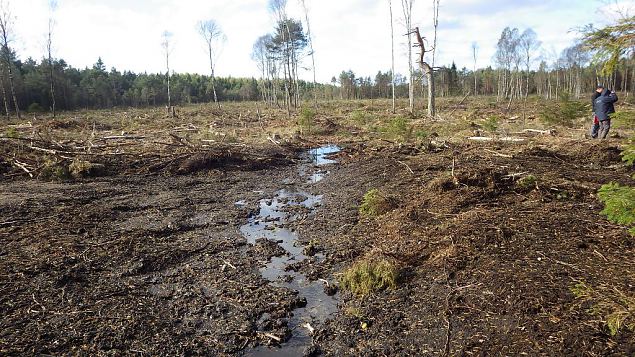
[[276, 213]]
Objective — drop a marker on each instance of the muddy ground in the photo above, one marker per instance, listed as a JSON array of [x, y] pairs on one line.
[[146, 257]]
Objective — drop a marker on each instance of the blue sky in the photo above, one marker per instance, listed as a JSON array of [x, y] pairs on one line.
[[348, 34]]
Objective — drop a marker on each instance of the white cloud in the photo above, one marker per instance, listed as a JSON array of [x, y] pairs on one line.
[[348, 34]]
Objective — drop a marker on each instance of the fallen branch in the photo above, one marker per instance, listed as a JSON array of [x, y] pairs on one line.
[[62, 152], [23, 167], [536, 131], [125, 137], [308, 327], [498, 154], [406, 165], [271, 336], [461, 102], [506, 138]]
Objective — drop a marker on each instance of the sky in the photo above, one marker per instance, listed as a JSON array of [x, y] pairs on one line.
[[347, 34]]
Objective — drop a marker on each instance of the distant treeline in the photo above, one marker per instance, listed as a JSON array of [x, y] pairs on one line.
[[97, 87]]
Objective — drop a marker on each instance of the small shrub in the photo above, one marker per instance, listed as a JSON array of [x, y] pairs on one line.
[[398, 129], [12, 133], [623, 119], [35, 108], [374, 204], [628, 154], [307, 117], [491, 123], [368, 276], [359, 117], [422, 134], [614, 307], [528, 182], [53, 170], [564, 113], [619, 204]]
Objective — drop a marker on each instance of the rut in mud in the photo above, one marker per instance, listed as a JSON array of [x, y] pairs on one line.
[[316, 301]]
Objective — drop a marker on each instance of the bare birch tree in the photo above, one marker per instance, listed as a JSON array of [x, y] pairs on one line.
[[49, 50], [165, 44], [392, 52], [260, 55], [212, 34], [279, 10], [406, 6], [435, 24], [474, 51], [6, 36], [310, 38], [529, 44]]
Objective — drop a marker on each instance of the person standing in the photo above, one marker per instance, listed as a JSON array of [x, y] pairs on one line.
[[603, 109], [595, 128]]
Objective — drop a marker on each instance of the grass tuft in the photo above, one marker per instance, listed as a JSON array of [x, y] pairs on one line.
[[368, 276], [375, 204]]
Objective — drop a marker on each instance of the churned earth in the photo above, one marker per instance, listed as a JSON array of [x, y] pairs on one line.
[[237, 249]]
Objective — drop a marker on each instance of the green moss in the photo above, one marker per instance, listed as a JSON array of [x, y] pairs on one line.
[[527, 182]]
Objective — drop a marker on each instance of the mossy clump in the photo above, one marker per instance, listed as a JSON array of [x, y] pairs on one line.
[[369, 275], [375, 203], [527, 182]]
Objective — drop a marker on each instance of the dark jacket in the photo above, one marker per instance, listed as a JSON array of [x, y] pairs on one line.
[[593, 98], [604, 105]]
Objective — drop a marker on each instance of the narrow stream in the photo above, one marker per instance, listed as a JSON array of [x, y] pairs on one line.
[[290, 205]]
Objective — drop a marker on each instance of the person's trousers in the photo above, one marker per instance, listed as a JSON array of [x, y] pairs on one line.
[[605, 125], [595, 130]]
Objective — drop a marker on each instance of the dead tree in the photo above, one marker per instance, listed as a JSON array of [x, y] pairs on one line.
[[6, 21], [428, 71]]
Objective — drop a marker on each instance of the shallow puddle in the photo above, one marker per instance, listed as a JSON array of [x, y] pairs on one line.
[[275, 214]]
